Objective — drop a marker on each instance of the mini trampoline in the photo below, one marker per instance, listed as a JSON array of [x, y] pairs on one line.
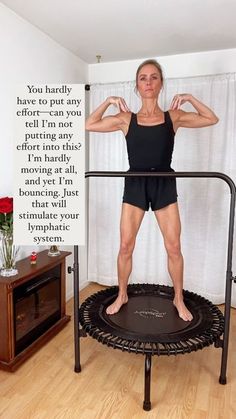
[[149, 323]]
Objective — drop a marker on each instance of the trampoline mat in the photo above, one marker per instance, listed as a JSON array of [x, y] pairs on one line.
[[149, 322]]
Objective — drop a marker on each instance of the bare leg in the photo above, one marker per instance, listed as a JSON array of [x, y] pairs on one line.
[[169, 223], [131, 218]]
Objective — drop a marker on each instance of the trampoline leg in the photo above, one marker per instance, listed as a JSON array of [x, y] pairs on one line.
[[147, 382]]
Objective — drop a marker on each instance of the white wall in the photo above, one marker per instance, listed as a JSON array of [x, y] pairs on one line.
[[29, 55], [183, 65]]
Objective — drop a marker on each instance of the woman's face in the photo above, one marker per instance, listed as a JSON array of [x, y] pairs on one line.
[[149, 81]]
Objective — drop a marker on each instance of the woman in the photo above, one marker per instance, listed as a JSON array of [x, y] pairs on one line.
[[150, 141]]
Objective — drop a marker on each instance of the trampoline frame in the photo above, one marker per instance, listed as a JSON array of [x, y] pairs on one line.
[[220, 343]]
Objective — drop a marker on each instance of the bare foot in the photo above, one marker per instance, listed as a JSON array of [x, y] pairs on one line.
[[115, 307], [184, 313]]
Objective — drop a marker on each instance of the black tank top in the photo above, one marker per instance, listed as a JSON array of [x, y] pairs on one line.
[[150, 147]]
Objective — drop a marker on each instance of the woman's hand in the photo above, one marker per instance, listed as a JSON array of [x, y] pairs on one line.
[[119, 102], [179, 100]]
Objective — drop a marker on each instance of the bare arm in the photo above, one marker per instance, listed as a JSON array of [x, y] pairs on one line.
[[203, 117], [98, 123]]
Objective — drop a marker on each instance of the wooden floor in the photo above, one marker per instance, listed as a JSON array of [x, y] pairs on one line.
[[110, 385]]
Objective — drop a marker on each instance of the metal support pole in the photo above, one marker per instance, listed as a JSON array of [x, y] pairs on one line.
[[228, 291], [76, 309]]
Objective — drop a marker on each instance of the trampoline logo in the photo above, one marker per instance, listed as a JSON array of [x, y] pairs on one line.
[[150, 313]]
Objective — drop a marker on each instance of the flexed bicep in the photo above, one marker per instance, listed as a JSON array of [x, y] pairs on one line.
[[106, 124]]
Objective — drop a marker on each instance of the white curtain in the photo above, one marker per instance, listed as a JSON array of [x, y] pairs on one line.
[[203, 203]]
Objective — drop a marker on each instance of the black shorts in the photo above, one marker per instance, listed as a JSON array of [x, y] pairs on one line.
[[145, 191]]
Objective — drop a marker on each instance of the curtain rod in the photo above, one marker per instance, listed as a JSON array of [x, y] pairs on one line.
[[88, 86]]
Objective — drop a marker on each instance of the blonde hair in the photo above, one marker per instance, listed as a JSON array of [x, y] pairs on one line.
[[146, 62]]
